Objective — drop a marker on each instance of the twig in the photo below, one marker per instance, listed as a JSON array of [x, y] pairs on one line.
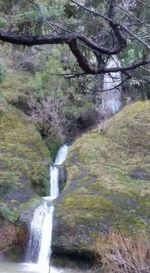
[[95, 13], [124, 241], [131, 14], [113, 88]]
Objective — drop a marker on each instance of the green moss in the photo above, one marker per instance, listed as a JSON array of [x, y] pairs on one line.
[[100, 168], [24, 161], [32, 203], [73, 172], [7, 213], [96, 205]]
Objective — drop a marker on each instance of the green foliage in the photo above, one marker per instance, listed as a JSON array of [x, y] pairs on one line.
[[5, 5], [7, 180], [2, 72], [55, 9], [3, 22], [39, 179], [74, 104], [27, 17], [7, 213], [53, 142]]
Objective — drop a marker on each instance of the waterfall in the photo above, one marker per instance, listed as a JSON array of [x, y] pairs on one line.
[[54, 176], [109, 101], [40, 232], [62, 155], [39, 246], [112, 99]]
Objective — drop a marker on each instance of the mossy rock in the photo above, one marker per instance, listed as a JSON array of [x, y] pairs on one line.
[[24, 161], [108, 185]]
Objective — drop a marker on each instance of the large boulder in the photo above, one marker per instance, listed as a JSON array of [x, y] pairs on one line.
[[108, 184], [24, 161]]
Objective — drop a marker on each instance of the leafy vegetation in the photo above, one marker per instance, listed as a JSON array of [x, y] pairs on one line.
[[45, 17], [59, 107]]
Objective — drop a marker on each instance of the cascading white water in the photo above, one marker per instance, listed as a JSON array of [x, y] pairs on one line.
[[46, 236], [111, 102], [54, 176], [39, 247], [62, 155], [54, 172], [41, 227]]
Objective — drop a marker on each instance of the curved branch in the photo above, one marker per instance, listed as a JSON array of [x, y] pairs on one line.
[[54, 39], [105, 50], [81, 59], [71, 40]]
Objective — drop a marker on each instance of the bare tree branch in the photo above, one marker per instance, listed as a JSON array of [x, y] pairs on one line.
[[114, 87], [54, 39], [69, 75], [127, 68], [132, 15], [35, 40], [73, 39], [135, 36], [95, 13]]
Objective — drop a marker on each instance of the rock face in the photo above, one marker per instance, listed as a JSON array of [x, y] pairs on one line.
[[23, 172], [108, 184]]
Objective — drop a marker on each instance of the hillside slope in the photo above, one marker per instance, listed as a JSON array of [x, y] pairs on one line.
[[108, 185], [24, 174]]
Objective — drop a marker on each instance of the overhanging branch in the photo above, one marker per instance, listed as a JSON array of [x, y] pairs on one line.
[[34, 40], [71, 40], [74, 39]]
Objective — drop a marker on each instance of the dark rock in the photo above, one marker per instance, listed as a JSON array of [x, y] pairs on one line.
[[62, 177], [72, 260], [139, 173]]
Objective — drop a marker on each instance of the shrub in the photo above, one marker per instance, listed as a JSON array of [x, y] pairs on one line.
[[46, 113], [8, 214], [119, 255]]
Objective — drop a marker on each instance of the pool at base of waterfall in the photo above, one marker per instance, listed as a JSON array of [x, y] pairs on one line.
[[8, 267]]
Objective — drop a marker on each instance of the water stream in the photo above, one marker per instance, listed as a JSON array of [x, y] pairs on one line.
[[112, 101], [39, 246], [109, 102], [7, 267]]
